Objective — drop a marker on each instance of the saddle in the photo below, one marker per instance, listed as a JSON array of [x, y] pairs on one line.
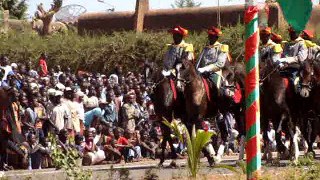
[[173, 88]]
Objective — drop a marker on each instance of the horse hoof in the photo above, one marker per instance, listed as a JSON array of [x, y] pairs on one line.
[[217, 160], [173, 164], [311, 154], [160, 165], [211, 161]]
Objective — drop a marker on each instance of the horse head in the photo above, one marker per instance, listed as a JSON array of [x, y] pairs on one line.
[[186, 73], [306, 78]]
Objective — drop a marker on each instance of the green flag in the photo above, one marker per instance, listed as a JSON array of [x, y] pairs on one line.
[[296, 12]]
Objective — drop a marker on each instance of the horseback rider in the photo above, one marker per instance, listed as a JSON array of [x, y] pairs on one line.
[[295, 53], [277, 38], [270, 52], [313, 48], [176, 51], [213, 57]]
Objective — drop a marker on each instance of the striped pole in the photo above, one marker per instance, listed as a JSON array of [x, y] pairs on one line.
[[252, 92]]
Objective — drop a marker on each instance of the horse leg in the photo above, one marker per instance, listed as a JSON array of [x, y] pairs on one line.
[[294, 147], [224, 136]]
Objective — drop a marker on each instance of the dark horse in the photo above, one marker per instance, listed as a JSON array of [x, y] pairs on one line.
[[200, 104], [167, 106], [278, 101], [10, 139], [310, 106]]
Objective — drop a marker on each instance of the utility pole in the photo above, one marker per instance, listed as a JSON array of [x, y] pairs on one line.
[[219, 15], [142, 6]]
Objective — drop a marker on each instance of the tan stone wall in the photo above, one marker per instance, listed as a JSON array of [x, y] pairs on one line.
[[191, 18]]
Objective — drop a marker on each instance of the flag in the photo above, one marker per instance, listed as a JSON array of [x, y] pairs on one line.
[[296, 12]]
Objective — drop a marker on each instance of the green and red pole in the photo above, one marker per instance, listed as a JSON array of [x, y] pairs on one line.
[[253, 152]]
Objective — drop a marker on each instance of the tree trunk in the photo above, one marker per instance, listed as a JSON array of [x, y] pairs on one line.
[[46, 29]]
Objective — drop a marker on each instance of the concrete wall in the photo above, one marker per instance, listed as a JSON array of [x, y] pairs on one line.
[[191, 18]]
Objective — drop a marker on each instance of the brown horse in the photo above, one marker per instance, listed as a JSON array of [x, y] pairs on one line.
[[11, 140], [167, 106], [278, 105], [310, 106], [199, 105]]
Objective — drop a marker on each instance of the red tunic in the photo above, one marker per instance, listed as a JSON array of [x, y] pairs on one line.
[[44, 68]]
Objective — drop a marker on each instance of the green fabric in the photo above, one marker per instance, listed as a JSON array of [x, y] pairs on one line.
[[296, 12], [215, 79]]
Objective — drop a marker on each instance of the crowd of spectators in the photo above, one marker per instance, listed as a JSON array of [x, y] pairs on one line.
[[106, 118]]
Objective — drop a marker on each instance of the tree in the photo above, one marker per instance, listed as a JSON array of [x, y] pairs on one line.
[[185, 4], [47, 16], [17, 8]]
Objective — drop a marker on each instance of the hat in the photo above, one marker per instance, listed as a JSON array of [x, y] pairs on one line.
[[277, 38], [14, 65], [265, 30], [102, 101], [60, 86], [51, 92], [68, 89], [179, 30], [34, 85], [58, 93], [80, 93], [308, 33], [214, 31]]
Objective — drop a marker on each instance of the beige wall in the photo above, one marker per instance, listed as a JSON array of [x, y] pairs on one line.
[[191, 18]]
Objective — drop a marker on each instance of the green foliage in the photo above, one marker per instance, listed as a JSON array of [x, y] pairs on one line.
[[102, 53], [17, 8], [68, 161], [185, 4], [195, 143]]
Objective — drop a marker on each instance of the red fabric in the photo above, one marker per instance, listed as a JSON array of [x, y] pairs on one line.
[[276, 38], [122, 141], [214, 31], [308, 33], [287, 86], [173, 88], [179, 30], [206, 87], [44, 68], [237, 94]]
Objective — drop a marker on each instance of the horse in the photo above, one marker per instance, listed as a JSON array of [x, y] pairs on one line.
[[168, 104], [310, 107], [278, 106], [201, 104], [11, 141]]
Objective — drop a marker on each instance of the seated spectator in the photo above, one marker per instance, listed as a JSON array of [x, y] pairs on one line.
[[35, 151], [147, 147], [113, 155], [92, 154]]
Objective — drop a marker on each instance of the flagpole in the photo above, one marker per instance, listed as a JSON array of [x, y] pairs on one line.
[[253, 153]]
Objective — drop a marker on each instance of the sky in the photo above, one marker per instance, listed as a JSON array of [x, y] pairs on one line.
[[127, 5]]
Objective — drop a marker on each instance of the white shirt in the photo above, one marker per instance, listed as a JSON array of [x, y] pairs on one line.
[[7, 70], [59, 113]]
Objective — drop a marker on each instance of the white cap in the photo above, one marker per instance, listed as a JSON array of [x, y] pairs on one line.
[[34, 85], [51, 92], [102, 101], [68, 89], [58, 93], [60, 86], [80, 93], [14, 65]]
